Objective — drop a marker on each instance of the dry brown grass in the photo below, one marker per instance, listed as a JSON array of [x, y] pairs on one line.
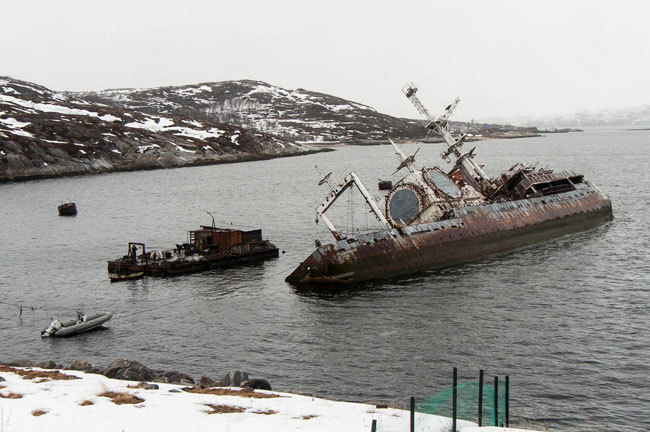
[[11, 395], [121, 398], [223, 409], [143, 385], [31, 374], [265, 412], [307, 417], [38, 412], [244, 392], [87, 403]]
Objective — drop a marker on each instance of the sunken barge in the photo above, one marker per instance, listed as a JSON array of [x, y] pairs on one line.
[[434, 219], [207, 248]]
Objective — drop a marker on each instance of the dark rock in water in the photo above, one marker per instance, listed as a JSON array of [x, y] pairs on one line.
[[233, 379], [22, 363], [67, 209], [84, 366], [257, 383], [205, 382], [129, 370], [49, 364], [173, 377]]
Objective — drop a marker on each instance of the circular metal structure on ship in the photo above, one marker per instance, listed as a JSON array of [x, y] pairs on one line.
[[403, 206], [443, 183]]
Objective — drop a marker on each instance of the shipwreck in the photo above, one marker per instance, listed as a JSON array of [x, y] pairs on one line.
[[207, 248], [433, 218]]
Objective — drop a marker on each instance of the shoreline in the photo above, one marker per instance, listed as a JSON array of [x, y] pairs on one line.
[[313, 148], [35, 398], [245, 158]]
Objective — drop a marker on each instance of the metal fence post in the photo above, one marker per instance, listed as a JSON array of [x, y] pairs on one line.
[[480, 398], [507, 401], [412, 414], [496, 401], [454, 400]]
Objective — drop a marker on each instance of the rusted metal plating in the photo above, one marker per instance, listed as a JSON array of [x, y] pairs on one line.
[[434, 219]]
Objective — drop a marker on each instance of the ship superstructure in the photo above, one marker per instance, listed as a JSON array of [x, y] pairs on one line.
[[432, 218]]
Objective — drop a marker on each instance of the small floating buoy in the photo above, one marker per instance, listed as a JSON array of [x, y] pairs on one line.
[[67, 209]]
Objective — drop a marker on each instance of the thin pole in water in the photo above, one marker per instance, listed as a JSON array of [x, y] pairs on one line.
[[454, 400], [480, 398], [507, 401], [496, 401], [412, 414], [373, 426]]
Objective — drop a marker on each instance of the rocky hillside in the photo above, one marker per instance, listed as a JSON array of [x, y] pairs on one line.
[[292, 114], [48, 134]]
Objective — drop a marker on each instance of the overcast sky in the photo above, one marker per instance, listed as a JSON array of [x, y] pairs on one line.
[[502, 58]]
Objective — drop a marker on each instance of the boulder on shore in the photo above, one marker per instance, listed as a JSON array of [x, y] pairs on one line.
[[257, 383], [205, 382], [233, 379], [84, 366], [49, 364], [173, 377], [129, 370]]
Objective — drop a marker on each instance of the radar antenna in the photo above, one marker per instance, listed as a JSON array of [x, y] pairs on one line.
[[325, 179], [440, 126], [405, 161]]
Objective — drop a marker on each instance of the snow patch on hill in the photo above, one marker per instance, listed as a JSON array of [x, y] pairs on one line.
[[294, 114]]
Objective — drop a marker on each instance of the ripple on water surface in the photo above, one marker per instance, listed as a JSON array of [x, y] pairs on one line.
[[567, 320]]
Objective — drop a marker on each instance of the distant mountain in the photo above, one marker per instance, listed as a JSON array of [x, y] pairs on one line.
[[47, 134], [292, 114], [636, 116]]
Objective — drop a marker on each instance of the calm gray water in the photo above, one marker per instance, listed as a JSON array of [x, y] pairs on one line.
[[566, 320]]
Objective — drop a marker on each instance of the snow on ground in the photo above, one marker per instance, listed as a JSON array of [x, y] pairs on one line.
[[15, 126], [109, 118], [41, 404], [234, 137], [163, 124], [13, 123], [182, 149], [44, 107], [143, 148], [9, 90]]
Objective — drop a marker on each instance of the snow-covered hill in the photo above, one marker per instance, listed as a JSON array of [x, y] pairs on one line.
[[635, 117], [46, 134], [292, 114]]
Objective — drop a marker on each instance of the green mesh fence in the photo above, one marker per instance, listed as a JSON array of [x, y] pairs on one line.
[[466, 403]]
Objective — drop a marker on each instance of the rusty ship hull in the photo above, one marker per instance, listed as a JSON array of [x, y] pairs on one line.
[[470, 233]]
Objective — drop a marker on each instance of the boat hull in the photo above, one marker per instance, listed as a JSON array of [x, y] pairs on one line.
[[127, 277], [71, 327], [167, 267], [473, 232]]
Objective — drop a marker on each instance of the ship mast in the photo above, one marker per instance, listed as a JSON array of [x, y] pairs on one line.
[[336, 191], [440, 126]]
